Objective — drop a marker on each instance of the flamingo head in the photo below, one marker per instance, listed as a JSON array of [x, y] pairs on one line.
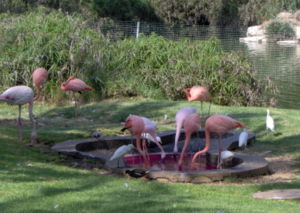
[[187, 92], [135, 124]]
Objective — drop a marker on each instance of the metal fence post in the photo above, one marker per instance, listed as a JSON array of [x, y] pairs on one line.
[[137, 29]]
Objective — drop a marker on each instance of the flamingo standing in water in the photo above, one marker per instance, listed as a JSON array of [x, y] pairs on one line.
[[218, 124], [180, 117], [19, 95], [136, 125], [39, 77], [198, 93], [75, 85], [192, 123]]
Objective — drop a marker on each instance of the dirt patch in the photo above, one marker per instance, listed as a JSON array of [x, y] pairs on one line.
[[282, 170]]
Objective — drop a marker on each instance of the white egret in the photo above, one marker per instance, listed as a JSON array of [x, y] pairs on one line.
[[226, 154], [121, 151], [270, 124], [243, 138]]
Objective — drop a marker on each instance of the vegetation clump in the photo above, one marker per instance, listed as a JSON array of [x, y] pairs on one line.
[[278, 30]]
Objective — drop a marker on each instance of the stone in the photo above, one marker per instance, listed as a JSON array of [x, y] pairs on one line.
[[278, 194], [256, 31]]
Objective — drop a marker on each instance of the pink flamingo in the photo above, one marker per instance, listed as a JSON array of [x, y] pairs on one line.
[[180, 116], [150, 128], [39, 77], [192, 123], [198, 93], [75, 85], [218, 124], [19, 95], [135, 124]]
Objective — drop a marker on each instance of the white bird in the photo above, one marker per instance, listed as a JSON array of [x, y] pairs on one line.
[[226, 154], [270, 124], [150, 129], [150, 137], [121, 151], [243, 138], [180, 116], [20, 95]]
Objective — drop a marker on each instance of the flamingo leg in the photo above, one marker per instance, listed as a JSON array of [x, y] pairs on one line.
[[209, 109], [220, 148], [33, 123], [163, 154], [186, 143], [75, 104], [141, 151], [201, 107], [20, 125]]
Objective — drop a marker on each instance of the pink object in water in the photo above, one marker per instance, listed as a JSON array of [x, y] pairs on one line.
[[169, 163]]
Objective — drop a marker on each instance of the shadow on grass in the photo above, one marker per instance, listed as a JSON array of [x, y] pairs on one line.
[[112, 112]]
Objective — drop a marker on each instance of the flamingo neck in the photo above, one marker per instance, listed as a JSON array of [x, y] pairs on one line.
[[207, 140]]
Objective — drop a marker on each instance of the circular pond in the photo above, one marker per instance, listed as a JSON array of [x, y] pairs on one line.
[[101, 149]]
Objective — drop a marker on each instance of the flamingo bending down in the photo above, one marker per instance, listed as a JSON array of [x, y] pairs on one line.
[[218, 124], [270, 124], [135, 125], [192, 123], [75, 85], [39, 77], [180, 116], [19, 95], [198, 93]]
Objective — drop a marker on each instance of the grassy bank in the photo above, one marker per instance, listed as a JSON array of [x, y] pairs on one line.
[[34, 180]]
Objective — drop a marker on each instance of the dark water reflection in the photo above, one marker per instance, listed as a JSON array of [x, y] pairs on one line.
[[282, 64], [279, 62]]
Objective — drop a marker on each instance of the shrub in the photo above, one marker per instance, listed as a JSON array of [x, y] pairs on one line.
[[63, 44], [159, 68], [278, 30]]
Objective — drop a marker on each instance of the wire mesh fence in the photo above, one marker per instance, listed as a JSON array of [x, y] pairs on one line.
[[121, 30], [279, 63]]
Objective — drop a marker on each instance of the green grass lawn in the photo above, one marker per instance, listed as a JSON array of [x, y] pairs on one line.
[[33, 179]]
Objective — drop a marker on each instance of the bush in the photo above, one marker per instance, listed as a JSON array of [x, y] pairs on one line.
[[278, 30], [63, 44], [159, 68]]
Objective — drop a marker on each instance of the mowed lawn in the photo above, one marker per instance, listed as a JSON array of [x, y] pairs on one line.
[[34, 179]]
